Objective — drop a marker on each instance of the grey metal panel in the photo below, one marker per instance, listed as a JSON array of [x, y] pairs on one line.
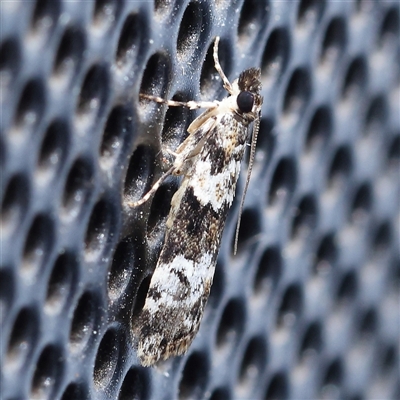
[[309, 307]]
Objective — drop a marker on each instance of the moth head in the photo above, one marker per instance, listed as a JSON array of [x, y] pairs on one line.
[[250, 80], [249, 84], [245, 101]]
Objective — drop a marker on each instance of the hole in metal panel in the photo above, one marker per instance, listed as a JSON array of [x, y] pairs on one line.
[[100, 230], [93, 97], [7, 293], [355, 79], [252, 20], [176, 122], [312, 341], [123, 269], [69, 56], [269, 271], [297, 94], [38, 246], [310, 12], [326, 253], [61, 283], [320, 129], [390, 28], [31, 107], [138, 180], [253, 363], [54, 150], [278, 387], [348, 287], [156, 79], [22, 340], [83, 327], [75, 390], [10, 62], [45, 16], [283, 183], [334, 373], [160, 207], [221, 394], [107, 359], [130, 39], [231, 325], [368, 323], [106, 13], [118, 128], [334, 43], [362, 202], [193, 31], [194, 377], [276, 54], [164, 7], [48, 375], [383, 236], [218, 286], [210, 81], [78, 188], [291, 306], [249, 230], [136, 385], [15, 204], [306, 216], [341, 166]]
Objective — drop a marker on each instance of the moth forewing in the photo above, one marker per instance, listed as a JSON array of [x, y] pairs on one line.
[[209, 161]]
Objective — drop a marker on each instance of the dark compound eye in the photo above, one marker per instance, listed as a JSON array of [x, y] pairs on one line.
[[245, 101]]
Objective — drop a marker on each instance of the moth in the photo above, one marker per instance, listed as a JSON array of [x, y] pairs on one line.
[[209, 162]]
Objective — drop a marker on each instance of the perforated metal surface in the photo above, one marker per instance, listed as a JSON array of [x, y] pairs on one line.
[[309, 308]]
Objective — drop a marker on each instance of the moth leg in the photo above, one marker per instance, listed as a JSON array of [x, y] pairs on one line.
[[153, 189], [169, 151], [176, 169], [192, 105], [193, 144], [168, 158]]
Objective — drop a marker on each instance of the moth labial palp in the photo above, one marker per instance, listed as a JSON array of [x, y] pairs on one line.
[[209, 162]]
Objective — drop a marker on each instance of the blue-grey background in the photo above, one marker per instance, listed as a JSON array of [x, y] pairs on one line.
[[309, 307]]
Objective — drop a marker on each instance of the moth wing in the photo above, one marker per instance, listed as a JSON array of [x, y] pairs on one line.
[[174, 307], [181, 283]]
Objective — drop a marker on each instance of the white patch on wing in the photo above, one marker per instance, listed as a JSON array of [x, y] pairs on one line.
[[216, 189], [167, 282]]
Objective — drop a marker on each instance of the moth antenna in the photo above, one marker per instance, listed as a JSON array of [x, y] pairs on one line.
[[153, 189], [227, 84], [256, 129]]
